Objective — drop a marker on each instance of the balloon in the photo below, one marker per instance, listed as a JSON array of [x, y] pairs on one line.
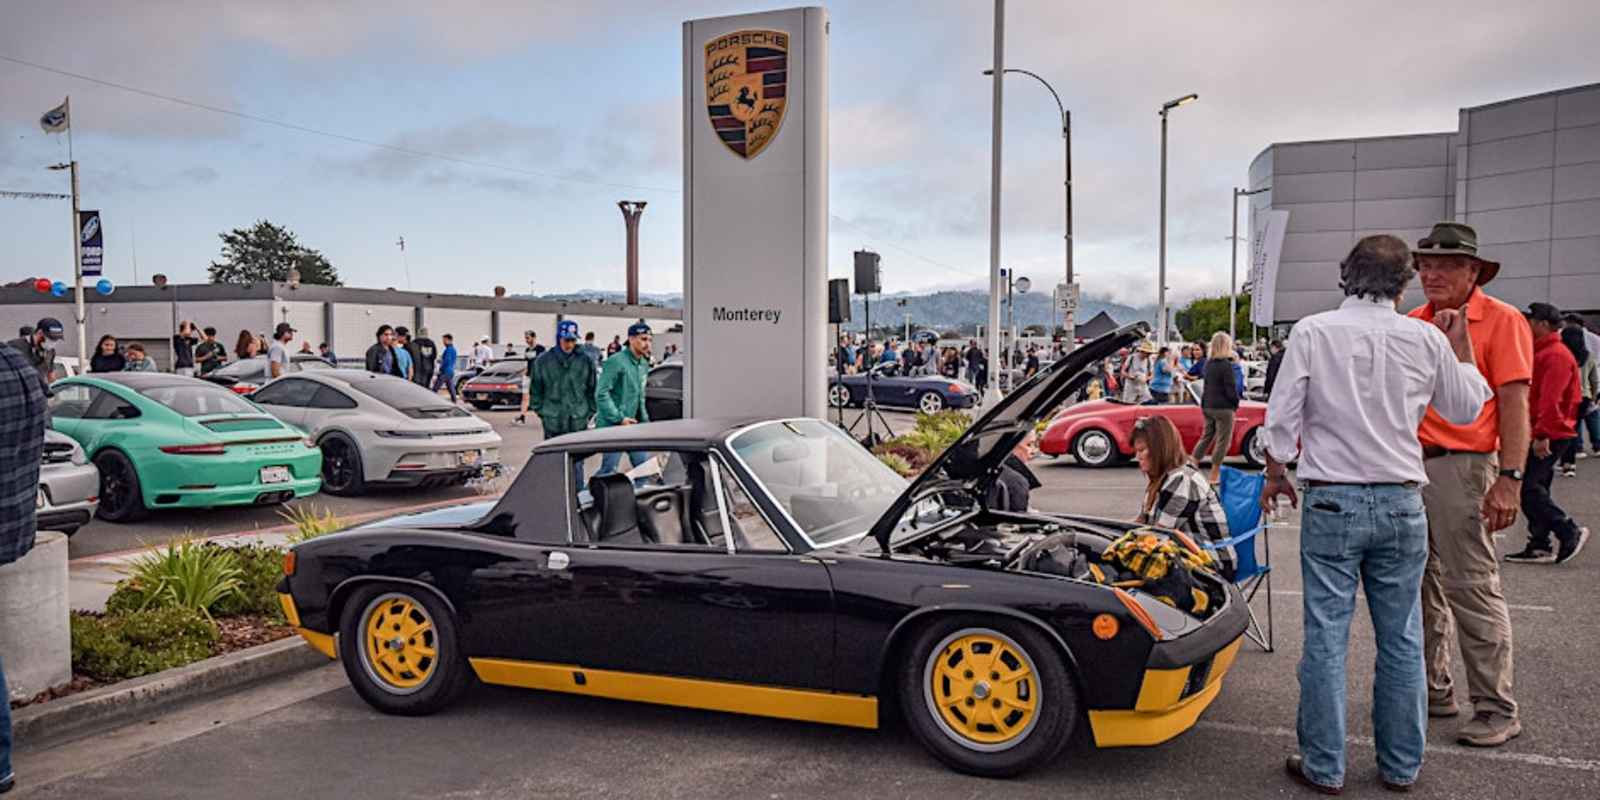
[[58, 289], [105, 286], [42, 285]]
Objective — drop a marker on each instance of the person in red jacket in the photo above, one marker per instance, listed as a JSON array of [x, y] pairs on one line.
[[1553, 408]]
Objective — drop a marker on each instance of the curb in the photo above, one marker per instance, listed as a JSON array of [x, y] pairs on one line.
[[126, 700]]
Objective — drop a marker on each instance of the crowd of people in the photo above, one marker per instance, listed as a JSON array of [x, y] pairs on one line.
[[856, 354]]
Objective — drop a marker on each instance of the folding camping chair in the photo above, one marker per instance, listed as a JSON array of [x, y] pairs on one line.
[[1240, 492]]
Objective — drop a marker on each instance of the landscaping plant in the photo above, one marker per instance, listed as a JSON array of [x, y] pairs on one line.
[[309, 523], [184, 574], [118, 646]]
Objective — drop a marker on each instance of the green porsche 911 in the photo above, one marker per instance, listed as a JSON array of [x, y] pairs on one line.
[[167, 441]]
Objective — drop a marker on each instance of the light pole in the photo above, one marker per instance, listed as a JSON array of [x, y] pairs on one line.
[[1161, 281], [1066, 139], [991, 395], [1233, 274]]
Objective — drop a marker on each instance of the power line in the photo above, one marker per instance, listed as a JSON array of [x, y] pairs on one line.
[[405, 151], [331, 135]]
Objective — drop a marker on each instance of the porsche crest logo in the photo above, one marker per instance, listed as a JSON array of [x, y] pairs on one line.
[[747, 78]]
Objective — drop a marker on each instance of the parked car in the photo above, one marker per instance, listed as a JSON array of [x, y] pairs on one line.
[[167, 441], [1255, 380], [1099, 433], [69, 486], [777, 568], [381, 430], [247, 375], [890, 387], [499, 385], [663, 392]]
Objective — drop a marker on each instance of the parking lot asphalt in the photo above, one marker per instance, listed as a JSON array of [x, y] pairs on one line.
[[312, 737]]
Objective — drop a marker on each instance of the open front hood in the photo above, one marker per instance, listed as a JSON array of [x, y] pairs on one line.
[[974, 459]]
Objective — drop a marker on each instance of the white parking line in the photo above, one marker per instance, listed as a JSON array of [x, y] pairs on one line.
[[1512, 606], [1532, 759]]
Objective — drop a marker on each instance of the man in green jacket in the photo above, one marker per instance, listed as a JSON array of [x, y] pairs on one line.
[[620, 392], [561, 388]]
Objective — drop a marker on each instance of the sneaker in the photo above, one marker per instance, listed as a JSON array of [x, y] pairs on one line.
[[1532, 555], [520, 420], [1582, 455], [1488, 729], [8, 783], [1570, 550], [1569, 471], [1443, 708]]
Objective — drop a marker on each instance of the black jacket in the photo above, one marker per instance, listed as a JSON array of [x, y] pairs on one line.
[[100, 362], [374, 361], [1273, 364], [1221, 389], [1011, 488], [424, 355]]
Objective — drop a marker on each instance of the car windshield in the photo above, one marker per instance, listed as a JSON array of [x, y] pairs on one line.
[[399, 394], [199, 401], [505, 370], [829, 485]]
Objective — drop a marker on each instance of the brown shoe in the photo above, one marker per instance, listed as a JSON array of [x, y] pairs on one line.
[[1488, 729], [1400, 788], [1295, 764], [1443, 708]]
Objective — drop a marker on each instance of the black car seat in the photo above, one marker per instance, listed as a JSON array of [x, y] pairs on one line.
[[664, 516], [616, 510]]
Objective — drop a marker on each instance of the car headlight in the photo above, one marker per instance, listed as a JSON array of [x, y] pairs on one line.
[[404, 434], [79, 458]]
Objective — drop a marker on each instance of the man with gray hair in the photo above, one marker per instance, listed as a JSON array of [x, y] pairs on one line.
[[1354, 385]]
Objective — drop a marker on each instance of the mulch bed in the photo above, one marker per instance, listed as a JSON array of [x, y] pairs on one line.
[[233, 634]]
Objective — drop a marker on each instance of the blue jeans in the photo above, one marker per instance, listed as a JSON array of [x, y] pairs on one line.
[[1375, 537], [5, 726], [609, 460], [1590, 422]]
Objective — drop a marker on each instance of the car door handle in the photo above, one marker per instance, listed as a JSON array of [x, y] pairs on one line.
[[557, 561]]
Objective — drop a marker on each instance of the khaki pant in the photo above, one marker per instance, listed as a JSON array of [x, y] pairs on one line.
[[1462, 584], [1218, 436]]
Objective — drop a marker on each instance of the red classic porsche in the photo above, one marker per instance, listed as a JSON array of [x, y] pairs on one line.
[[1099, 433]]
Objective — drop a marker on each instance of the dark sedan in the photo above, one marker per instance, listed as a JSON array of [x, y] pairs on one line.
[[890, 387], [499, 385]]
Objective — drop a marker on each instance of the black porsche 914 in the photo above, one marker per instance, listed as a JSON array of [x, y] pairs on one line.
[[775, 568]]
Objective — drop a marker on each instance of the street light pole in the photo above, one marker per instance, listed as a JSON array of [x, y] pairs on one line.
[[1233, 279], [1161, 282], [1066, 138], [991, 395]]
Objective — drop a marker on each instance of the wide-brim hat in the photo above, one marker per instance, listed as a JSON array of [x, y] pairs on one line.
[[1457, 239], [1148, 347]]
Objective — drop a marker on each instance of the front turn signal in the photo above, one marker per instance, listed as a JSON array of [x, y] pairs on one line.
[[1105, 627], [1145, 620], [288, 563]]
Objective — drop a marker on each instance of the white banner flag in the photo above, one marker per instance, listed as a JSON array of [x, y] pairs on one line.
[[1266, 245], [56, 119]]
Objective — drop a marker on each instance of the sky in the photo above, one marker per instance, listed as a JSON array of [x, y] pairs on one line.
[[547, 113]]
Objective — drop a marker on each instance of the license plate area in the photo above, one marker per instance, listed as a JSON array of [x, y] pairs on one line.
[[275, 474], [469, 458]]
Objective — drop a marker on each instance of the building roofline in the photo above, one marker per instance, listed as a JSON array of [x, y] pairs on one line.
[[1588, 87]]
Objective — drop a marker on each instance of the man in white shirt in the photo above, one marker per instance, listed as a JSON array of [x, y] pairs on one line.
[[483, 353], [1351, 392], [278, 351]]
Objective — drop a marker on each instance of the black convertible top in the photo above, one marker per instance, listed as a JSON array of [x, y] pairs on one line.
[[648, 435]]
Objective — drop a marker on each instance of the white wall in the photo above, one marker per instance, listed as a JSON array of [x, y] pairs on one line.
[[465, 324], [355, 325], [307, 319], [513, 323]]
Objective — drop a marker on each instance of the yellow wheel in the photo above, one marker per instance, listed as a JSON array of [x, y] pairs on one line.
[[399, 643], [983, 689], [987, 695]]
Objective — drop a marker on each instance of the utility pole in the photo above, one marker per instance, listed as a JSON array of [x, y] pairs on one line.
[[1161, 282], [991, 395]]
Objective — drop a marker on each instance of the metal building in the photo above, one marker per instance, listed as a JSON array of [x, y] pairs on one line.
[[1524, 172], [346, 318]]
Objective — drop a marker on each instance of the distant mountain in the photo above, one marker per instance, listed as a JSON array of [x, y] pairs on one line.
[[948, 310]]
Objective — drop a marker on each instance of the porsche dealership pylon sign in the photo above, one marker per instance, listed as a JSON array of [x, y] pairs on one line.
[[755, 214]]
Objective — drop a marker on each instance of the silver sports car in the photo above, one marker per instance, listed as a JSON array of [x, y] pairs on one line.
[[69, 486], [381, 430]]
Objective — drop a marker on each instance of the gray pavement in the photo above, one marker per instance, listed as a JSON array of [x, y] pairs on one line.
[[312, 737]]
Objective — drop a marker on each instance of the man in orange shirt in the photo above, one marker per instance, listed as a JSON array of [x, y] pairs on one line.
[[1474, 487]]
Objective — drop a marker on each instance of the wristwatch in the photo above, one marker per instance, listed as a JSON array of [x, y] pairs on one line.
[[1513, 474]]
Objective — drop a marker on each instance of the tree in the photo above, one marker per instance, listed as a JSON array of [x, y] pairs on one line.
[[266, 252], [1204, 316]]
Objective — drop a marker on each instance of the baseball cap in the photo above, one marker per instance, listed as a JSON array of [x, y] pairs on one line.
[[638, 329], [51, 328], [566, 329], [1543, 312], [283, 328]]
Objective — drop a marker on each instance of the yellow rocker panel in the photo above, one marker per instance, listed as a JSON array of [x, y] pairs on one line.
[[856, 711]]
